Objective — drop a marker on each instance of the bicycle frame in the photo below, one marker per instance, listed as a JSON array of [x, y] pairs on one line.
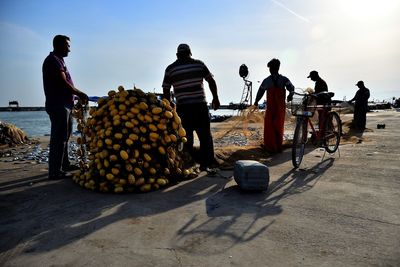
[[328, 135], [322, 121]]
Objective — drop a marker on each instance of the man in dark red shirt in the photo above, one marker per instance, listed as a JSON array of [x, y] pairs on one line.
[[59, 91]]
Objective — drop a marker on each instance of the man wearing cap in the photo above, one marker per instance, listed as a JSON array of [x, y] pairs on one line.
[[361, 106], [320, 86], [186, 75], [274, 118]]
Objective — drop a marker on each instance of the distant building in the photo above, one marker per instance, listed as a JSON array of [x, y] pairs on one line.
[[13, 104]]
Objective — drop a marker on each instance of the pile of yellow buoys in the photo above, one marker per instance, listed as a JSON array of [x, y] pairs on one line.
[[131, 142]]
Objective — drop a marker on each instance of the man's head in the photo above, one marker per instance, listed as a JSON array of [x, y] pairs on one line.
[[360, 84], [183, 51], [61, 45], [274, 65], [313, 75]]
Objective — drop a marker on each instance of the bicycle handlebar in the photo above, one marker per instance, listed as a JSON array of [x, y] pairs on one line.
[[330, 94]]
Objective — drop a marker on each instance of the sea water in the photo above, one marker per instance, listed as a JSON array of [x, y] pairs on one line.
[[33, 123], [37, 123]]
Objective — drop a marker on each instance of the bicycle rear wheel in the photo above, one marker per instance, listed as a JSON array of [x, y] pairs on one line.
[[299, 141], [333, 131]]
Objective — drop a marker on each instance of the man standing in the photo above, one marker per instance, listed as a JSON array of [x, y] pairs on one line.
[[59, 91], [320, 86], [361, 106], [186, 76], [274, 119]]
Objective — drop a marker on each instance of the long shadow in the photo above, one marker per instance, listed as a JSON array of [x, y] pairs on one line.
[[262, 156], [22, 182], [37, 216], [232, 208]]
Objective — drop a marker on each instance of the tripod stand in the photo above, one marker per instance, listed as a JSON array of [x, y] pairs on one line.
[[247, 95]]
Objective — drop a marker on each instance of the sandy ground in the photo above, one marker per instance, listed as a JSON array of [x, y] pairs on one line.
[[335, 210]]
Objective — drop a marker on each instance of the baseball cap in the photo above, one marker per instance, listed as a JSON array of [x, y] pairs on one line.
[[312, 73]]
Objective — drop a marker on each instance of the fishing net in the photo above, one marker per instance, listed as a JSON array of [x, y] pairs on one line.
[[11, 134]]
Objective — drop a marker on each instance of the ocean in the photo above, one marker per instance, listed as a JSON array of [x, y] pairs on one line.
[[37, 123], [33, 123]]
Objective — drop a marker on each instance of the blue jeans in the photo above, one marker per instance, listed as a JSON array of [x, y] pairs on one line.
[[61, 129]]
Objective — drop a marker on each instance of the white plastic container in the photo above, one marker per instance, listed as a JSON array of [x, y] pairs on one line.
[[251, 175]]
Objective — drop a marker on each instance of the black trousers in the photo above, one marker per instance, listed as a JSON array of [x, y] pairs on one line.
[[196, 117], [61, 129], [360, 116]]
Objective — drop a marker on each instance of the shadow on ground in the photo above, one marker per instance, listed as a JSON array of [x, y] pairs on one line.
[[35, 215], [231, 209]]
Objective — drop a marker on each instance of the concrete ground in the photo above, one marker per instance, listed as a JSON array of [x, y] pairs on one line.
[[340, 210]]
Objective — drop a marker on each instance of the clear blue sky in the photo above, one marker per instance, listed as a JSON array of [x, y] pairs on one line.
[[131, 42]]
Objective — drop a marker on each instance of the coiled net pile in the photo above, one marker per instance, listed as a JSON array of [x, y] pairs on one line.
[[131, 142], [11, 135]]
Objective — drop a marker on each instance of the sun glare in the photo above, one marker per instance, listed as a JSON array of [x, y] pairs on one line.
[[368, 10]]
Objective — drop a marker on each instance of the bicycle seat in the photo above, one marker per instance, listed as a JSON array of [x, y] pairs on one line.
[[324, 97]]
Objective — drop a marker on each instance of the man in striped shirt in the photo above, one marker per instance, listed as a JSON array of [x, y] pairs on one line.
[[186, 76]]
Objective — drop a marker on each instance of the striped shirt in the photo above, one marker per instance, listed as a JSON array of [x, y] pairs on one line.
[[186, 76]]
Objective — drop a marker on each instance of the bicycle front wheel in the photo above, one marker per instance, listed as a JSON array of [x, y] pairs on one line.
[[299, 141], [332, 132]]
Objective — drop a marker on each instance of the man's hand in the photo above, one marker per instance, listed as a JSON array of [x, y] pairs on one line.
[[253, 107], [289, 97], [215, 103], [84, 98]]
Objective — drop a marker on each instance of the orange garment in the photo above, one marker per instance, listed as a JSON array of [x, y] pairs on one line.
[[274, 119]]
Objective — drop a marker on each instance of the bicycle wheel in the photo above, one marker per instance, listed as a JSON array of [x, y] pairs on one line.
[[333, 131], [299, 141]]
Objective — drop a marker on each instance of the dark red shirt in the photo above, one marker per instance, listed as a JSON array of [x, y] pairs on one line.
[[57, 94]]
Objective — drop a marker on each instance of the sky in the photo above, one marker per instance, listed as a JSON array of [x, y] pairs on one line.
[[130, 43]]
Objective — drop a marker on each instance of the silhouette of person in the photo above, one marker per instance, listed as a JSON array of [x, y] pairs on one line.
[[275, 85], [361, 106], [320, 86], [186, 75], [59, 91]]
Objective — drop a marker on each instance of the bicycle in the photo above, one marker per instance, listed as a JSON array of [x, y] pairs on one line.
[[303, 106]]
